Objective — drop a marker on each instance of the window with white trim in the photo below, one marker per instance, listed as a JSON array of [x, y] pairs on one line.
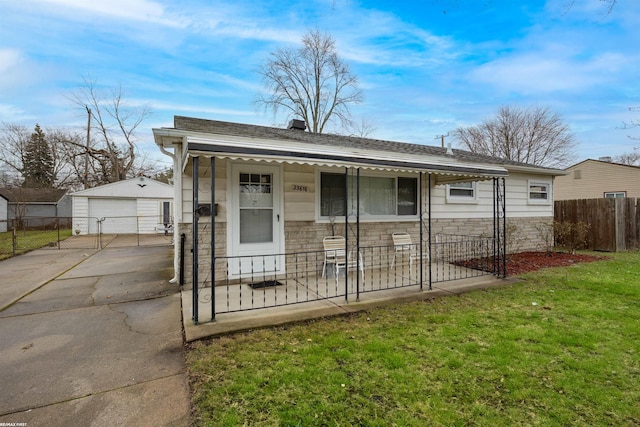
[[462, 192], [539, 192], [380, 196], [615, 195]]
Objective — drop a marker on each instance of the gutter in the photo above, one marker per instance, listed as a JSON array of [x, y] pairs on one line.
[[177, 205]]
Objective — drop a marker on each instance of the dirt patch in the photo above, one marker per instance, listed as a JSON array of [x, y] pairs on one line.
[[524, 262]]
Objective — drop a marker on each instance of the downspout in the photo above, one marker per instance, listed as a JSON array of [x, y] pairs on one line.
[[177, 207]]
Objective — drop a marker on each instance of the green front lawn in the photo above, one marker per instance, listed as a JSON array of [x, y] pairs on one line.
[[29, 240], [560, 348]]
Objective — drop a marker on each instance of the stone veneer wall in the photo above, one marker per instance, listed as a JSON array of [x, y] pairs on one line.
[[306, 236], [204, 252]]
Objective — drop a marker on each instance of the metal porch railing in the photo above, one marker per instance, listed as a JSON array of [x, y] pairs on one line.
[[252, 282]]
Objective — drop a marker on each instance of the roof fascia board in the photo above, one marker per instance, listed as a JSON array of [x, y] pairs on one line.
[[343, 160], [536, 170]]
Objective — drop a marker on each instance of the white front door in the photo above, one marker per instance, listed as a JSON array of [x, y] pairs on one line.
[[256, 224]]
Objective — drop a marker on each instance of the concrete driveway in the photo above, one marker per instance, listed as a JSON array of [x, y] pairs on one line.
[[92, 338]]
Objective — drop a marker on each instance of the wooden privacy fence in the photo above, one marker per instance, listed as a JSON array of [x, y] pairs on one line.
[[614, 223]]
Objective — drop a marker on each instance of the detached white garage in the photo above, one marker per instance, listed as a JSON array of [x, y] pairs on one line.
[[138, 205]]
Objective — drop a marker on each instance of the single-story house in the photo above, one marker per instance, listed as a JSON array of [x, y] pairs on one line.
[[268, 197], [36, 207], [134, 206], [595, 179]]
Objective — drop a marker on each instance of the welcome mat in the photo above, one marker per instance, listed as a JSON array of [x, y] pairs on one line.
[[265, 284]]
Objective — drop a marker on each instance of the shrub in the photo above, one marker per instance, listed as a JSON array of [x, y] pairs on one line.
[[571, 236], [514, 238], [545, 236]]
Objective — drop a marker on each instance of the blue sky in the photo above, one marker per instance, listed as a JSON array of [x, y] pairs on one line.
[[425, 67]]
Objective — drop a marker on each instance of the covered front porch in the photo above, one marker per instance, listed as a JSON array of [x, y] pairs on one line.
[[255, 177]]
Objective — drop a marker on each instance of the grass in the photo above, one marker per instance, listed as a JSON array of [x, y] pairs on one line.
[[29, 240], [560, 348]]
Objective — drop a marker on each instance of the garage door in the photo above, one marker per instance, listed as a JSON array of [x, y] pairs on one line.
[[120, 216]]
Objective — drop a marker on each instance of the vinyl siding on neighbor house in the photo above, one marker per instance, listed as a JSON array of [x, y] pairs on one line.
[[591, 179], [4, 210]]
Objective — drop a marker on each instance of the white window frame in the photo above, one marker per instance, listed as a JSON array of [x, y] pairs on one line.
[[546, 184], [371, 218], [462, 199], [613, 194]]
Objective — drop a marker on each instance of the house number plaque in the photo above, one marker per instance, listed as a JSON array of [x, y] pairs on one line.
[[302, 188]]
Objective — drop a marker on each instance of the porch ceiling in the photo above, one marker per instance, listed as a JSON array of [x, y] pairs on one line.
[[444, 170]]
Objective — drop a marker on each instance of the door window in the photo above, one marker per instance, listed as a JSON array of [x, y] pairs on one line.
[[256, 208]]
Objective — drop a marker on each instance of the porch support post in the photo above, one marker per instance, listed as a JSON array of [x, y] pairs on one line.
[[429, 223], [499, 227], [421, 225], [504, 228], [194, 274], [346, 232], [495, 226], [213, 239], [358, 266]]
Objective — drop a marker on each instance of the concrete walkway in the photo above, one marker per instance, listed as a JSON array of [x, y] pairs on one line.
[[92, 338]]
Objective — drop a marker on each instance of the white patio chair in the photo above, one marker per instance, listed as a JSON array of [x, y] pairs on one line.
[[334, 253], [334, 246], [404, 247], [350, 262]]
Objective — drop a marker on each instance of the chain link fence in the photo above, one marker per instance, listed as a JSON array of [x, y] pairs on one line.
[[21, 235]]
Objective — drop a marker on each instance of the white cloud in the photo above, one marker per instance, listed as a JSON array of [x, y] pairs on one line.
[[542, 72], [194, 108], [135, 10], [9, 58], [8, 110]]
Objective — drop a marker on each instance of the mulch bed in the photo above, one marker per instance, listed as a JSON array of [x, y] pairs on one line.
[[524, 262]]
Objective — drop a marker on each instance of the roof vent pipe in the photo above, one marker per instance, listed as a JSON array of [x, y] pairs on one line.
[[297, 124], [605, 159], [449, 150]]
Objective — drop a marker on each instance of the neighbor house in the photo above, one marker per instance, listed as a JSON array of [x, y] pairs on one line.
[[134, 206], [595, 179], [269, 197], [4, 213], [36, 207]]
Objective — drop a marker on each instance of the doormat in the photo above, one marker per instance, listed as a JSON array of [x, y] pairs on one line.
[[265, 284]]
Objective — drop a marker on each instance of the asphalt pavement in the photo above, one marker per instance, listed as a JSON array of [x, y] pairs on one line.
[[92, 338]]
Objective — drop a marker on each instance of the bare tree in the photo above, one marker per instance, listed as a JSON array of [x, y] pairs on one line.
[[632, 158], [311, 82], [534, 135], [112, 148], [66, 153], [68, 157], [13, 143], [362, 128]]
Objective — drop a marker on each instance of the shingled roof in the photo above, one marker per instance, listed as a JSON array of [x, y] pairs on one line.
[[32, 195], [216, 127]]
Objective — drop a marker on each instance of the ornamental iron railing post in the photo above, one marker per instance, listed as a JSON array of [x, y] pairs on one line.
[[504, 228], [495, 226], [421, 225], [213, 239], [346, 233], [194, 250], [429, 224], [358, 266]]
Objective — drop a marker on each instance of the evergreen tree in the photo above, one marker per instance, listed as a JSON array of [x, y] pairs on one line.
[[37, 165]]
